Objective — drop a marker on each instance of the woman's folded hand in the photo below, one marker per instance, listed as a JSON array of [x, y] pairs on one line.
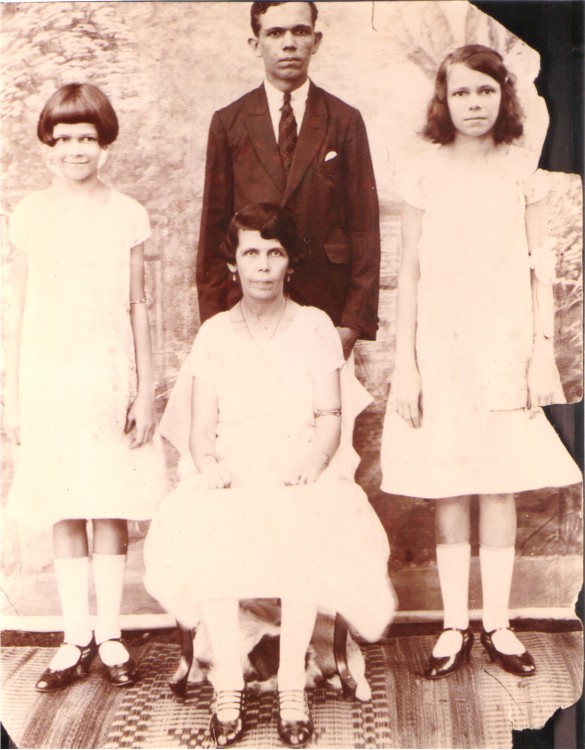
[[215, 474], [308, 468]]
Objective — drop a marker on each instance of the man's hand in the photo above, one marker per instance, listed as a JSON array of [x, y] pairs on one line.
[[348, 338]]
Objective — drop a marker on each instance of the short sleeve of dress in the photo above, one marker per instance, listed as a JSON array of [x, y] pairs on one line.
[[327, 351], [139, 225], [203, 358], [534, 182], [536, 186], [410, 182], [21, 221]]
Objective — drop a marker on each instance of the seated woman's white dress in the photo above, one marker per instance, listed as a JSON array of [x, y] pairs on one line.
[[259, 538]]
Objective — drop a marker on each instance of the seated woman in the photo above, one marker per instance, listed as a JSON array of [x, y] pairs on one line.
[[266, 509]]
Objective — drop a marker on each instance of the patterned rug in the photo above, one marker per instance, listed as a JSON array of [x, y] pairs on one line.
[[477, 707]]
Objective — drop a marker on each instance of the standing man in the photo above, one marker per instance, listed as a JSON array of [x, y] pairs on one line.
[[291, 143]]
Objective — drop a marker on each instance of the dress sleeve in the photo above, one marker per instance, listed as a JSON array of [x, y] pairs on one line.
[[328, 354], [19, 226], [139, 229], [202, 361], [410, 185], [535, 186], [175, 424]]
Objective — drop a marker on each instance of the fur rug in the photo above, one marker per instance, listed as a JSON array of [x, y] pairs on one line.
[[260, 644]]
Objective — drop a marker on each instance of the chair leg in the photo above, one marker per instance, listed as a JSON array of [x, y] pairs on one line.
[[178, 682], [348, 682]]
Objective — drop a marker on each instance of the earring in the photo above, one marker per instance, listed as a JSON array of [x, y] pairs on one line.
[[234, 278]]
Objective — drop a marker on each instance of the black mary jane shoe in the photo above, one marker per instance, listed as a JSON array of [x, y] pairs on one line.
[[519, 664], [438, 667], [227, 732], [120, 675], [294, 733], [57, 679]]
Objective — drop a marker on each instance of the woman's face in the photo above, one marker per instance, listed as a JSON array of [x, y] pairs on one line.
[[261, 264], [76, 153], [473, 99]]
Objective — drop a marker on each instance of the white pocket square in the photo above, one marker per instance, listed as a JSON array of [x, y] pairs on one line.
[[330, 155]]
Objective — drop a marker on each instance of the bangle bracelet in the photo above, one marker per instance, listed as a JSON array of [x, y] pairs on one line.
[[327, 413], [138, 301]]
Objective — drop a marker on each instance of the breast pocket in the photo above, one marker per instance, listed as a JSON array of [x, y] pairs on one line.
[[331, 164]]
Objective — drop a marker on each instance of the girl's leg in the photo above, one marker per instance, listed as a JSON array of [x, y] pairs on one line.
[[452, 530], [222, 617], [72, 573], [297, 625], [223, 626], [497, 536], [110, 545]]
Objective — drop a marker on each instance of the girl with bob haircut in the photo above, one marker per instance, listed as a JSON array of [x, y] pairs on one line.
[[474, 347], [78, 102], [266, 506], [79, 321]]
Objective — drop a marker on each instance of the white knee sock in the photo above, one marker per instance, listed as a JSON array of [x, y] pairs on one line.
[[108, 577], [73, 584], [298, 622], [496, 565], [223, 626], [453, 562]]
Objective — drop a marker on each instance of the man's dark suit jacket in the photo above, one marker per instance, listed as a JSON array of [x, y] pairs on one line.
[[330, 191]]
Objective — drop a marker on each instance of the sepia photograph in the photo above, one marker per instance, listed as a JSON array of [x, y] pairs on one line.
[[292, 374]]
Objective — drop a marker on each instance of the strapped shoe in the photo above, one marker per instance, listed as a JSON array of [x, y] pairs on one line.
[[520, 664], [227, 732], [57, 679], [438, 667], [294, 732], [120, 675]]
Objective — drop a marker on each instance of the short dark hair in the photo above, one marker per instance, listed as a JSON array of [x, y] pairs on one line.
[[260, 8], [272, 221], [78, 102], [439, 127]]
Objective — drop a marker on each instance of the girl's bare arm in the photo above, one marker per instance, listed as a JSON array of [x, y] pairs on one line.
[[141, 414]]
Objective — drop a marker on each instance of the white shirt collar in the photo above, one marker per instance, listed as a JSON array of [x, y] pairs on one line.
[[298, 101]]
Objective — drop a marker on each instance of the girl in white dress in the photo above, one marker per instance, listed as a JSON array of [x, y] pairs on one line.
[[79, 400], [267, 506], [474, 346]]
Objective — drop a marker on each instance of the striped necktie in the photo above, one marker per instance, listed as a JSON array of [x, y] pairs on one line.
[[287, 133]]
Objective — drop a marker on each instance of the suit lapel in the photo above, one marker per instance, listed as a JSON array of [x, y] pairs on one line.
[[313, 130], [259, 127]]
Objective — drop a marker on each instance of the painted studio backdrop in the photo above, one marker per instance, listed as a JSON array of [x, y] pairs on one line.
[[167, 67]]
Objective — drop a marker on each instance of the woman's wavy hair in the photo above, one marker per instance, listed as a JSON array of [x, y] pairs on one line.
[[439, 127], [74, 103], [272, 221]]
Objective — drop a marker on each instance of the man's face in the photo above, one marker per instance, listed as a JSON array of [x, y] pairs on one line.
[[286, 42]]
